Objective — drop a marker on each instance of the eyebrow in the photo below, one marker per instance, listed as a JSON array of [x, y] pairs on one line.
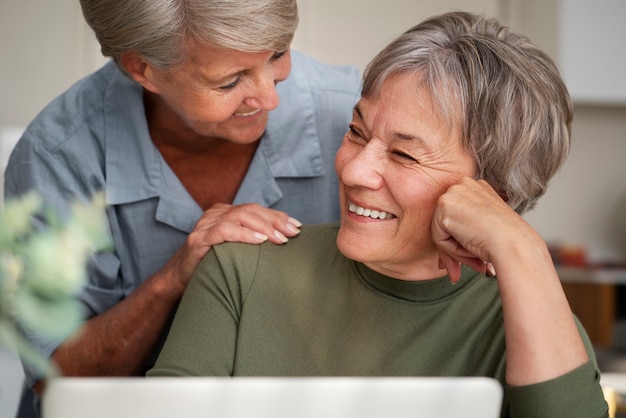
[[398, 135]]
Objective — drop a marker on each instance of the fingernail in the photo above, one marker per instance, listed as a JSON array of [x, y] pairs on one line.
[[491, 271], [293, 228], [280, 236], [295, 222], [260, 237]]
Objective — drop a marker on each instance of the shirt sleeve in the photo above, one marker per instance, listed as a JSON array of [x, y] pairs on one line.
[[203, 338], [62, 171]]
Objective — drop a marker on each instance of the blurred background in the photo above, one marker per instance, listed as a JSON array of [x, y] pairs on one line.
[[45, 46]]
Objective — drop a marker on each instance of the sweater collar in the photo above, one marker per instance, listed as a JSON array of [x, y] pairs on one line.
[[422, 291]]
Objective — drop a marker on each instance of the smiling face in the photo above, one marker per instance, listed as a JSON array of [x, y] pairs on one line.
[[398, 157], [218, 93]]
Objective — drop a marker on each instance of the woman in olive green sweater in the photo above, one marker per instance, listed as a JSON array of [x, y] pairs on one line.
[[432, 270]]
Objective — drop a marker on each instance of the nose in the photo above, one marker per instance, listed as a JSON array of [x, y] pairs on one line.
[[264, 95], [361, 166]]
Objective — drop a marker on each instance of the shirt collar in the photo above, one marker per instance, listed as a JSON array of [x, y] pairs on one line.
[[290, 146], [135, 170]]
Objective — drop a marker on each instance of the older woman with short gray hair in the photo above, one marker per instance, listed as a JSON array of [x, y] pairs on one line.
[[432, 271]]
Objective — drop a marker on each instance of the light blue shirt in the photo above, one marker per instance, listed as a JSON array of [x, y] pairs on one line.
[[95, 137]]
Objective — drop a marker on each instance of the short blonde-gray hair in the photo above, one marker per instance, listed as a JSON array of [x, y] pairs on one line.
[[161, 30], [506, 93]]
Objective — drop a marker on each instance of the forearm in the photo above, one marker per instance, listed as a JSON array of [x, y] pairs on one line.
[[120, 341], [542, 340]]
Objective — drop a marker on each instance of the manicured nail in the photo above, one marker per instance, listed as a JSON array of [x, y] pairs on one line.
[[280, 236], [260, 237], [491, 271], [295, 222], [293, 228]]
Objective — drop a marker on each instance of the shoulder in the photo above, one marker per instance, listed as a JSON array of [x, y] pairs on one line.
[[318, 237], [64, 147], [321, 76], [79, 107], [313, 241], [309, 256]]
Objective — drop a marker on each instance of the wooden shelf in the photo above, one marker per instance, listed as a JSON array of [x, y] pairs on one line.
[[591, 295]]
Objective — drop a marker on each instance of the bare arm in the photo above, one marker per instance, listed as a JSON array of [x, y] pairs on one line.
[[473, 225], [120, 341]]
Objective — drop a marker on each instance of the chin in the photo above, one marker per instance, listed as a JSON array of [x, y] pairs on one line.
[[352, 246], [243, 137], [248, 136]]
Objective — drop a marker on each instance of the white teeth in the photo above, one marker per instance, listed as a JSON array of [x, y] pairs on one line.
[[254, 112], [371, 213]]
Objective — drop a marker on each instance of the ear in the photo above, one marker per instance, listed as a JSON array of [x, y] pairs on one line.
[[139, 70]]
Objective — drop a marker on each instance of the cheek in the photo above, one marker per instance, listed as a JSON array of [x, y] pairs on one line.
[[210, 109], [416, 195], [282, 70], [203, 104]]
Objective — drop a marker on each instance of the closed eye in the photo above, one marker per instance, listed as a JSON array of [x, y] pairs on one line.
[[355, 133], [404, 156], [278, 55], [232, 85]]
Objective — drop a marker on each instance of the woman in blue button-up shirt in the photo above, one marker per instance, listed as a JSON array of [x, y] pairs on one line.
[[203, 121]]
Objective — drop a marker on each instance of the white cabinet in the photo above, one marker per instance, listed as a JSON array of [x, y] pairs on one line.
[[588, 40]]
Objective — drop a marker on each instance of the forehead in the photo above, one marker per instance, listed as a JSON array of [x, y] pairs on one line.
[[405, 104]]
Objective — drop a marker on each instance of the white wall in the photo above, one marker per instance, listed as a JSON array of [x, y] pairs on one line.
[[44, 47], [353, 31]]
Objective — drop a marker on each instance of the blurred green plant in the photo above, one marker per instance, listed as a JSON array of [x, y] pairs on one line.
[[42, 270]]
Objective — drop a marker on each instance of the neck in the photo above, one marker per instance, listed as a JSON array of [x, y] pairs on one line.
[[168, 130], [417, 271]]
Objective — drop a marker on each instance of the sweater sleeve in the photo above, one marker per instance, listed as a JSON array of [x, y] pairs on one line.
[[576, 394]]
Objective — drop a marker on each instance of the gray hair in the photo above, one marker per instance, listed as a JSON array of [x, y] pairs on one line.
[[161, 30], [506, 93]]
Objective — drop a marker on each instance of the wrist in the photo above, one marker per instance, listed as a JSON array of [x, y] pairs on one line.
[[165, 287]]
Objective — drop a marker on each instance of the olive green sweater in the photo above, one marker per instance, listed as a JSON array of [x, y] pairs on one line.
[[303, 309]]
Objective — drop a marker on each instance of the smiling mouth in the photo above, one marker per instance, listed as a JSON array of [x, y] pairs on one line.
[[369, 213], [254, 112]]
